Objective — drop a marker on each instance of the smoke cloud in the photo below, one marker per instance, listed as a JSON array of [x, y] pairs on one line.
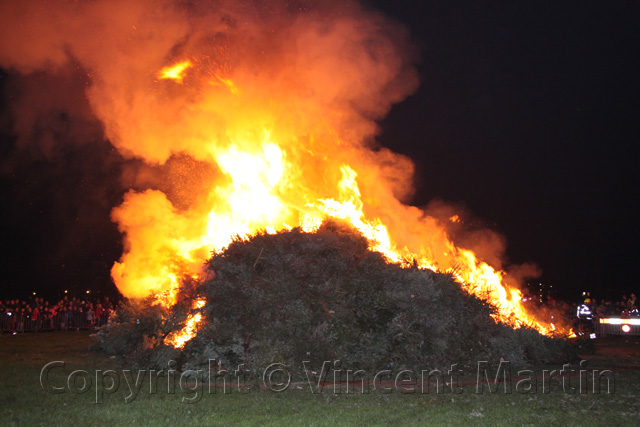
[[300, 83]]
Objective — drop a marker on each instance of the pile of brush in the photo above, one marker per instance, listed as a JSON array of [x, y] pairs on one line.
[[296, 296]]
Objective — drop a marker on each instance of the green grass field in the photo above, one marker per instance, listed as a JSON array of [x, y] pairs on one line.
[[23, 400]]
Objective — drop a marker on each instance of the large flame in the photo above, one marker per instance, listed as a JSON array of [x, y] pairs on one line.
[[269, 183], [247, 116]]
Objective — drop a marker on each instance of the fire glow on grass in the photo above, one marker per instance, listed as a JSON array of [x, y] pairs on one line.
[[247, 116]]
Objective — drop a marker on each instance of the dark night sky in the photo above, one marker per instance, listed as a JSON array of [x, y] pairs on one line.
[[527, 115]]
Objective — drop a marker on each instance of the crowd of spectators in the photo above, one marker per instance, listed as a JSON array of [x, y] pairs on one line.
[[626, 307], [36, 314]]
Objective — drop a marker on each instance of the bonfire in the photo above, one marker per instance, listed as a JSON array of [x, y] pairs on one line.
[[248, 119], [301, 298]]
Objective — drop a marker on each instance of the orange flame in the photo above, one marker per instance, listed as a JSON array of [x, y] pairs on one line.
[[269, 181], [228, 83]]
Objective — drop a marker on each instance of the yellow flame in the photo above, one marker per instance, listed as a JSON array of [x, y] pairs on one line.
[[178, 340], [269, 177], [175, 72]]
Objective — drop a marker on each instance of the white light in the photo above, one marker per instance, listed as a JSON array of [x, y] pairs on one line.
[[626, 329], [592, 336], [618, 321]]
